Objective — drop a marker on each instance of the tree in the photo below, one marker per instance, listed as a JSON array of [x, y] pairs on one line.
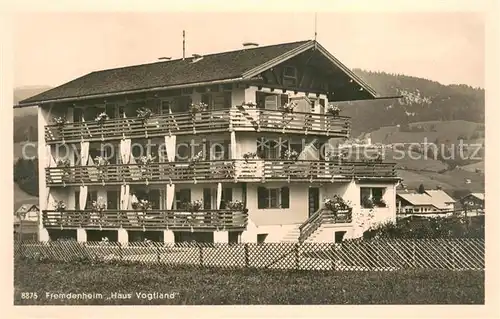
[[26, 175], [421, 189]]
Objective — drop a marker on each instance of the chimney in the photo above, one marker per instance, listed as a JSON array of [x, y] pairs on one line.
[[250, 45]]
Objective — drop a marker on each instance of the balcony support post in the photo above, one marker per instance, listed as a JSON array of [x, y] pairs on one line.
[[168, 237], [221, 237], [81, 235], [122, 236]]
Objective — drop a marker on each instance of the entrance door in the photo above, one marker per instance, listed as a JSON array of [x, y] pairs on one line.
[[313, 200]]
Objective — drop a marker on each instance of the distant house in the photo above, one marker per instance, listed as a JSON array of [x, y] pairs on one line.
[[473, 202], [30, 220], [431, 202], [30, 212]]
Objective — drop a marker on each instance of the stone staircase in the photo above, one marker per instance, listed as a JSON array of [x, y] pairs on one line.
[[292, 236]]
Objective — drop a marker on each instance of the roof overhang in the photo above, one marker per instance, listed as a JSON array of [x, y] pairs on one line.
[[162, 88]]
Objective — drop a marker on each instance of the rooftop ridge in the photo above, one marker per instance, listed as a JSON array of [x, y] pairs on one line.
[[204, 55]]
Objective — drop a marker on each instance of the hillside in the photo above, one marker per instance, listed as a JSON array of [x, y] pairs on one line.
[[25, 119], [423, 100]]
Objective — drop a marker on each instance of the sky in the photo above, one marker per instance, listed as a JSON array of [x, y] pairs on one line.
[[54, 48]]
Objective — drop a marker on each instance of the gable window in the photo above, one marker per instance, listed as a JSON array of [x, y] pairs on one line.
[[290, 76], [273, 197]]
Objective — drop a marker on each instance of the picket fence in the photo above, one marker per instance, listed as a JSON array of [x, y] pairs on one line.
[[357, 255]]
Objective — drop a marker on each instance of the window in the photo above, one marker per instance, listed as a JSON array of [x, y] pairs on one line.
[[217, 101], [77, 200], [290, 76], [275, 149], [210, 197], [180, 104], [218, 150], [234, 237], [151, 195], [273, 197], [91, 197], [375, 194], [268, 101], [113, 199], [182, 196], [77, 114]]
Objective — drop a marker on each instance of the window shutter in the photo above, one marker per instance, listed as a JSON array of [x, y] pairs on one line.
[[227, 150], [262, 197], [207, 198], [285, 197]]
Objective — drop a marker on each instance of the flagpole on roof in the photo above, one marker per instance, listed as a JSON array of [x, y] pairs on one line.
[[315, 25]]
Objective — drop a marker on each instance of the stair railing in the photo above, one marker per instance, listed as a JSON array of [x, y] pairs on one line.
[[311, 224]]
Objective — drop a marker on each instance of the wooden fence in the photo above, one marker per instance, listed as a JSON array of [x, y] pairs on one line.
[[356, 255]]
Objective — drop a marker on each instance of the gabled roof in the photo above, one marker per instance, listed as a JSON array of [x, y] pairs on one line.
[[417, 199], [479, 196], [26, 208], [440, 196], [436, 198], [214, 68]]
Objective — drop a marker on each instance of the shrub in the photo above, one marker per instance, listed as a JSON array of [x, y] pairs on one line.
[[430, 227]]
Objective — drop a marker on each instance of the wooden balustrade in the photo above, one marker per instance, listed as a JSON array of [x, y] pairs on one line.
[[320, 217], [218, 171], [151, 220], [204, 122]]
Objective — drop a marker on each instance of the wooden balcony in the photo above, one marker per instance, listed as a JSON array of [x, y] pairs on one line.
[[258, 120], [219, 171], [203, 220]]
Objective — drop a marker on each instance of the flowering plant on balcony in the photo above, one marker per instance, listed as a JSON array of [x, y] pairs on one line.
[[249, 104], [195, 159], [60, 206], [193, 206], [101, 118], [99, 205], [289, 107], [337, 204], [248, 156], [142, 205], [291, 155], [60, 121], [333, 110], [101, 161], [64, 164], [144, 160], [144, 113], [197, 108], [235, 205]]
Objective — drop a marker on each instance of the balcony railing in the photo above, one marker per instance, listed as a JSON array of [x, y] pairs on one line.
[[218, 171], [206, 122], [151, 220]]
